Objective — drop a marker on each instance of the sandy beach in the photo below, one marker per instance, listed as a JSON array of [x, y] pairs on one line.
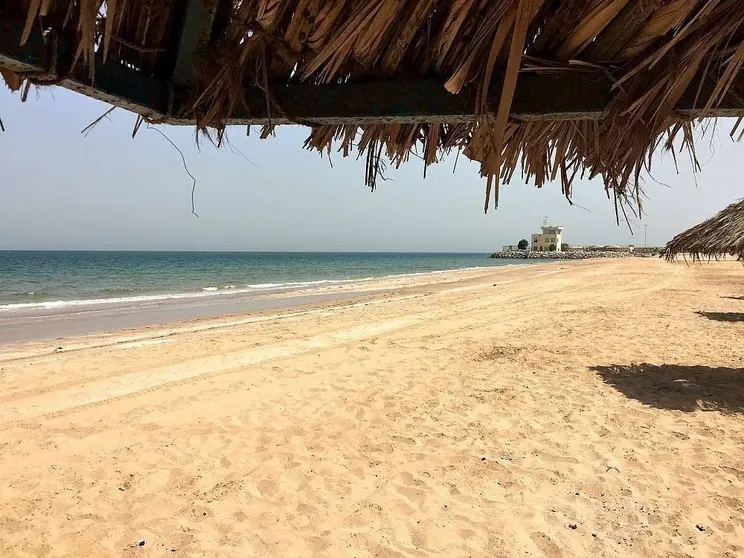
[[566, 409]]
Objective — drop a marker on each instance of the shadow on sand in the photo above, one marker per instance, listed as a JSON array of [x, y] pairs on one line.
[[734, 297], [684, 388], [723, 316]]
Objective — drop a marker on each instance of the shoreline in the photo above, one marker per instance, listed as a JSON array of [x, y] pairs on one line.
[[58, 290], [24, 329], [44, 307], [48, 324]]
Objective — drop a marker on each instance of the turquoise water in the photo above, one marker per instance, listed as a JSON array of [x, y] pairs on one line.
[[30, 279]]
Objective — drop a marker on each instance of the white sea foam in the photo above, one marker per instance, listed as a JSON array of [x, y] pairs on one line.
[[255, 288], [204, 292]]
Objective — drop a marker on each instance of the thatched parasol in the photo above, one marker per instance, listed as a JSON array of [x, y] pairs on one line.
[[553, 90], [719, 235]]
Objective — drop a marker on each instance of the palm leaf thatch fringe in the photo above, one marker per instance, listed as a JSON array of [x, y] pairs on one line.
[[720, 235], [654, 50]]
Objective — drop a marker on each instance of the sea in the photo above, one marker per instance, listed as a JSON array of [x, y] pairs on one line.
[[57, 280]]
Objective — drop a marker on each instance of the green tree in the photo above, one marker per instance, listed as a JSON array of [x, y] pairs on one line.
[[565, 246], [523, 244], [551, 248]]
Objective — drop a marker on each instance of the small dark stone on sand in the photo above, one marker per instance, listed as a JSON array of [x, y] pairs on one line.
[[122, 488], [594, 534], [483, 458], [573, 526], [700, 528], [141, 543], [204, 513]]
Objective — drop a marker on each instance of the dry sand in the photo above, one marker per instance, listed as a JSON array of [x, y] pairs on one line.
[[582, 409]]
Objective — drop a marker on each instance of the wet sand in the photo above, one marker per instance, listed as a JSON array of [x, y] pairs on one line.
[[572, 409], [20, 327]]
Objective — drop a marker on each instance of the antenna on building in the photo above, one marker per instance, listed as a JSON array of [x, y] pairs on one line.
[[545, 221]]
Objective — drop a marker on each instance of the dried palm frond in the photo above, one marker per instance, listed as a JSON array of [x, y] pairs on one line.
[[11, 79]]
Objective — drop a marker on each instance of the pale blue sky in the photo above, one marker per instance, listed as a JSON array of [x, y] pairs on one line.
[[61, 190]]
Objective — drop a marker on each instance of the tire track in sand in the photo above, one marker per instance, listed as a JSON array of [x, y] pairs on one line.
[[99, 391]]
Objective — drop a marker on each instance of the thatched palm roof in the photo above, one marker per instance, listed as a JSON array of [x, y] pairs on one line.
[[644, 67], [722, 234]]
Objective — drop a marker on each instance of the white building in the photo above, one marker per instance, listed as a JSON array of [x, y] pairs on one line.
[[550, 237]]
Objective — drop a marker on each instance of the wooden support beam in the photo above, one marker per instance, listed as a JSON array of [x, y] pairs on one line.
[[114, 83], [539, 96], [195, 37]]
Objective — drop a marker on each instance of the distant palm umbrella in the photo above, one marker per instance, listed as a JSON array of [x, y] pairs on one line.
[[720, 235]]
